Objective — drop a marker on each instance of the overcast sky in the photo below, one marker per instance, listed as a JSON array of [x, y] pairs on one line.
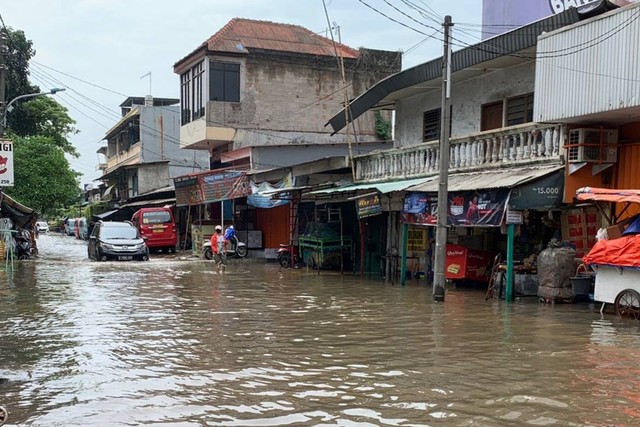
[[112, 43]]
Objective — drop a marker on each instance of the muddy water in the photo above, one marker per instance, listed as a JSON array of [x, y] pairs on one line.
[[170, 342]]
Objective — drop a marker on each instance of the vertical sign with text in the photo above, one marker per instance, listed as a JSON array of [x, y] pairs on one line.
[[6, 163]]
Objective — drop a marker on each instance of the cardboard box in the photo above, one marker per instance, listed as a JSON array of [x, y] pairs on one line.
[[615, 231]]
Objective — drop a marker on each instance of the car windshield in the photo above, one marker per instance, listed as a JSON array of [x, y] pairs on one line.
[[159, 217], [120, 232]]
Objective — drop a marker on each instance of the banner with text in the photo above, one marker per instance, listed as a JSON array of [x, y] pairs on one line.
[[483, 208]]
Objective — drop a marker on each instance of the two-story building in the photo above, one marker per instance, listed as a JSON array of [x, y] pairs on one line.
[[536, 112], [142, 151], [256, 96]]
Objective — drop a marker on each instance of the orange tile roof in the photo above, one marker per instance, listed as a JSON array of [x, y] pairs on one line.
[[241, 35]]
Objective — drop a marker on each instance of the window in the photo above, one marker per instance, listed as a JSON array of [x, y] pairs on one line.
[[431, 124], [191, 105], [224, 82], [519, 110]]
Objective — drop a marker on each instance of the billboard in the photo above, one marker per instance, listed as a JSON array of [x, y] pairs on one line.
[[499, 16], [6, 163]]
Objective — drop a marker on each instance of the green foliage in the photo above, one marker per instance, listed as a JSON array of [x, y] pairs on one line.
[[43, 179], [41, 115], [383, 127], [95, 209]]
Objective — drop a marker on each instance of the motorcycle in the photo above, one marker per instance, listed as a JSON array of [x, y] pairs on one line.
[[235, 247], [284, 255], [23, 244]]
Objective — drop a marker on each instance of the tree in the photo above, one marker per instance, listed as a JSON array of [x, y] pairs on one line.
[[43, 179], [41, 116]]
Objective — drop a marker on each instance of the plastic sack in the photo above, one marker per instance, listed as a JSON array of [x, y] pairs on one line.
[[556, 266]]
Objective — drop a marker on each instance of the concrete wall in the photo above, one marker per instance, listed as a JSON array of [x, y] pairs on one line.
[[270, 157], [160, 136], [467, 99], [152, 177], [290, 93]]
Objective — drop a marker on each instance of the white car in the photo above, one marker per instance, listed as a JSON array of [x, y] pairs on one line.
[[43, 227]]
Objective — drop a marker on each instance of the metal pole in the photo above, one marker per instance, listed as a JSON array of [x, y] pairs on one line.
[[3, 72], [443, 196], [511, 231]]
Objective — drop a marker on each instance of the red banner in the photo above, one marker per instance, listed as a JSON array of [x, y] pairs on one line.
[[211, 187]]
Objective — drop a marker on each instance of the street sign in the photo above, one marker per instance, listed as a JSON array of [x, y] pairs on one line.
[[6, 163]]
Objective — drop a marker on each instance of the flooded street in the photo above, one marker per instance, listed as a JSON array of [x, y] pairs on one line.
[[170, 342]]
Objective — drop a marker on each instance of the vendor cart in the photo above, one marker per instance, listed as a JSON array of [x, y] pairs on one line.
[[616, 260]]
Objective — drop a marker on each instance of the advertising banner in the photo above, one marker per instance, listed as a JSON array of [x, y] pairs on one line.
[[369, 206], [224, 186], [543, 193], [6, 163], [466, 209], [188, 191], [265, 201]]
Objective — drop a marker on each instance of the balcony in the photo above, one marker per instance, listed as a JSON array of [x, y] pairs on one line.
[[200, 135], [515, 145], [101, 167], [130, 157]]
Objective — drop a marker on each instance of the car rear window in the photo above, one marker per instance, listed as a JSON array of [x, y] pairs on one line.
[[159, 217]]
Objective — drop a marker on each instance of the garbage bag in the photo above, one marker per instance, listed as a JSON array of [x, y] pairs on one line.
[[556, 266]]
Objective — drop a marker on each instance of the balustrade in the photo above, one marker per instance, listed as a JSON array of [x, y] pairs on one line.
[[514, 145]]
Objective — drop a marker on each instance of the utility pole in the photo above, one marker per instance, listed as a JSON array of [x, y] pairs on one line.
[[3, 79], [439, 280]]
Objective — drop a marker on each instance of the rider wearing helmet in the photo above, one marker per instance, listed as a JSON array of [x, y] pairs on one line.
[[219, 247]]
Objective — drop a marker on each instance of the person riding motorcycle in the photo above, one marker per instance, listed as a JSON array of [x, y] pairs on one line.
[[219, 248]]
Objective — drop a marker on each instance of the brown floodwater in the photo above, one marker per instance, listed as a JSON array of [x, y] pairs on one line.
[[170, 342]]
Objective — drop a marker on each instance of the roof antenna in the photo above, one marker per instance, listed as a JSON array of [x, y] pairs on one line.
[[147, 75]]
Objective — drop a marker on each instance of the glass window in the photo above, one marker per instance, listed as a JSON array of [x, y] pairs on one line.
[[160, 217], [224, 82]]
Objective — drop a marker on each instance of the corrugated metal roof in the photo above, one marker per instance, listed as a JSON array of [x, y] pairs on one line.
[[241, 35], [383, 187], [503, 178], [504, 45]]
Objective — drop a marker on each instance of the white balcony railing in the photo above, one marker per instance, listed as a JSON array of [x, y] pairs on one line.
[[520, 144]]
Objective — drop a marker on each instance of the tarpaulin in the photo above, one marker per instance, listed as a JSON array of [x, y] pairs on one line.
[[621, 252], [260, 197], [594, 194]]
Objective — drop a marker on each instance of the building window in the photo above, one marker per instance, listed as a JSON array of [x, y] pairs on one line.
[[519, 110], [133, 186], [431, 125], [191, 105], [224, 82]]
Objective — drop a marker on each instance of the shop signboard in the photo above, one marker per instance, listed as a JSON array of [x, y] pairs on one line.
[[514, 217], [226, 185], [484, 208], [543, 193], [369, 205], [417, 239], [188, 191], [6, 163]]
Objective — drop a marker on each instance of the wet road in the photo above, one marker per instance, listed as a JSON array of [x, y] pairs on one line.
[[170, 342]]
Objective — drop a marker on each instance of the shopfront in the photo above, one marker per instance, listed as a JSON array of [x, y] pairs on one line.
[[504, 217]]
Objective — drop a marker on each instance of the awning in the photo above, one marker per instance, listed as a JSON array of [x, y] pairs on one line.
[[594, 194], [382, 187], [501, 178], [170, 201], [106, 214]]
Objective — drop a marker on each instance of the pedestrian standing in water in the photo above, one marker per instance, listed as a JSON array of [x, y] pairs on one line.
[[219, 249]]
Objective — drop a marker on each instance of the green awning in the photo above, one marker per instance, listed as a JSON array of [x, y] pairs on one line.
[[382, 187]]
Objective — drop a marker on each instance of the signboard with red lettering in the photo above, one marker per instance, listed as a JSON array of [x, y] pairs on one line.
[[6, 163]]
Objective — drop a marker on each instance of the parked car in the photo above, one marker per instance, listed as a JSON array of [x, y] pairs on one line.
[[69, 226], [42, 226], [81, 229], [158, 227], [116, 240]]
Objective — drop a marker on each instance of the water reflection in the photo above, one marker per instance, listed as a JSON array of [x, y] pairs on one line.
[[173, 343]]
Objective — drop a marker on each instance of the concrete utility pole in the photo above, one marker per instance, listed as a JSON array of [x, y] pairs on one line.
[[3, 73], [439, 280]]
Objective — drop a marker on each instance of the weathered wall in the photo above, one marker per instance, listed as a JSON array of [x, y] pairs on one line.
[[467, 99], [152, 177], [160, 136], [290, 93]]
